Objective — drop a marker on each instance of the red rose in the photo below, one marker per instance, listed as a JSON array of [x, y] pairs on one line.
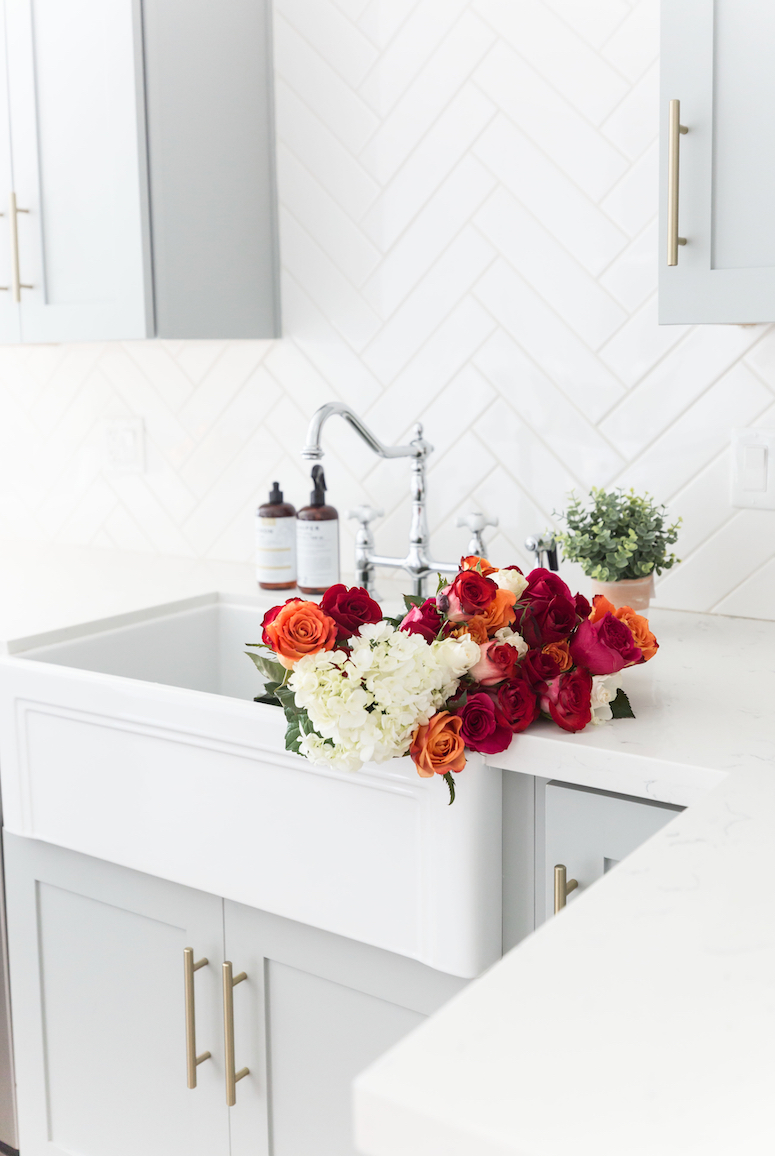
[[497, 662], [518, 704], [539, 667], [469, 594], [549, 613], [424, 620], [483, 727], [583, 609], [568, 699], [605, 646], [350, 609]]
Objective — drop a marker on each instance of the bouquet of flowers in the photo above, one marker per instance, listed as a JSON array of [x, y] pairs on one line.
[[467, 670]]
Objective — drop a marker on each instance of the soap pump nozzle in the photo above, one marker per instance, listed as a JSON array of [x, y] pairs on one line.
[[318, 495]]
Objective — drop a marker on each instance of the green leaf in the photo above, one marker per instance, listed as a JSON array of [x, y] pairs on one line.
[[620, 707], [412, 600], [395, 621], [272, 670], [451, 784], [442, 582]]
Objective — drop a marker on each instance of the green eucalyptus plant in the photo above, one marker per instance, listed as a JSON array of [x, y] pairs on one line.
[[619, 534]]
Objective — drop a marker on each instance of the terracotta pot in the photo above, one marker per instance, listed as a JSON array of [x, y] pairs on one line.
[[633, 592]]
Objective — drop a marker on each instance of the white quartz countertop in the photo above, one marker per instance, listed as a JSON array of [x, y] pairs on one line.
[[703, 707]]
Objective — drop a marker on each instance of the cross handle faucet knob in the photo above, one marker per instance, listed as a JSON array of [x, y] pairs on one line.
[[365, 514], [476, 522]]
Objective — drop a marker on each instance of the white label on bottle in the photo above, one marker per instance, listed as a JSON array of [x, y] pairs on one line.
[[275, 549], [318, 553]]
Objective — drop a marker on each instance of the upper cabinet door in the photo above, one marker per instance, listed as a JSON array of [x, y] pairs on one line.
[[75, 94], [10, 330], [717, 179]]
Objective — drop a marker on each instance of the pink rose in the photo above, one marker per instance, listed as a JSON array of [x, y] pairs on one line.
[[424, 620], [568, 699], [496, 662], [605, 646]]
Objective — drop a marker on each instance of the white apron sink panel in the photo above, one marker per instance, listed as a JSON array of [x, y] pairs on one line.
[[136, 740]]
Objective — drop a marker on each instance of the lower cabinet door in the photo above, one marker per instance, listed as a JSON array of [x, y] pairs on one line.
[[97, 990], [314, 1011], [589, 832]]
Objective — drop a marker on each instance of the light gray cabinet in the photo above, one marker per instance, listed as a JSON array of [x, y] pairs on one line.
[[97, 989], [136, 142], [716, 61], [589, 832]]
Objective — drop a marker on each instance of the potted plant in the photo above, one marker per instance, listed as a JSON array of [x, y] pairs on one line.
[[621, 540]]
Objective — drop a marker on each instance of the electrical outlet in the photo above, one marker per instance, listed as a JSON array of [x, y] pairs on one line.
[[125, 445], [753, 469]]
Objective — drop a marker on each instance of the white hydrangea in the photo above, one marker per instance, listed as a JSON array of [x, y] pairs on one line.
[[513, 638], [605, 688], [365, 706], [510, 580]]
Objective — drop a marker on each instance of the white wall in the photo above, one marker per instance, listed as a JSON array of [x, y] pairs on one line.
[[468, 193]]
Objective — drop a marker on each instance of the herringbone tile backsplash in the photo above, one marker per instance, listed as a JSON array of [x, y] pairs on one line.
[[468, 194]]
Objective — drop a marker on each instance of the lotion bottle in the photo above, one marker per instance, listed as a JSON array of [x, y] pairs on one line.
[[317, 540], [276, 543]]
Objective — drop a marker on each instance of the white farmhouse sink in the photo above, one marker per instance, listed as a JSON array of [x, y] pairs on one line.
[[136, 740]]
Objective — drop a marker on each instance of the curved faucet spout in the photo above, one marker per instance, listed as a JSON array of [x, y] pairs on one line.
[[314, 451]]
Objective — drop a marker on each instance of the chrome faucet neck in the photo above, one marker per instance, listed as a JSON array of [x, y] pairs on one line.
[[417, 563]]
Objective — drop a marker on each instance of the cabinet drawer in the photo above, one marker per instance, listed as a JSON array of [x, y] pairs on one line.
[[591, 831]]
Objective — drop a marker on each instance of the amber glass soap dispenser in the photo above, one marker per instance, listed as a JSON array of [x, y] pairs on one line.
[[276, 543], [317, 540]]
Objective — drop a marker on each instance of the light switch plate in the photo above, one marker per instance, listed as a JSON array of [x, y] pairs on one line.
[[125, 445], [753, 469]]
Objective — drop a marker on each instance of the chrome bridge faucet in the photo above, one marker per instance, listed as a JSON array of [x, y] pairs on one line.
[[418, 564]]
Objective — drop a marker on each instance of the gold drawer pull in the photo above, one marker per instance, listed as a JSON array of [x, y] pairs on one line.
[[562, 886], [192, 1059], [229, 983], [675, 129]]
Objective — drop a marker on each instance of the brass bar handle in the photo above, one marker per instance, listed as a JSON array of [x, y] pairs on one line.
[[16, 281], [675, 128], [562, 887], [192, 1059], [229, 983]]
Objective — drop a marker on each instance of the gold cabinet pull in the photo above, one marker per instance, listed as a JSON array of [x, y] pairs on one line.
[[192, 1059], [16, 282], [562, 886], [675, 128], [229, 983]]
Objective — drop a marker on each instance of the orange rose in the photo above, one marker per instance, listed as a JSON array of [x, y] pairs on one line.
[[500, 612], [639, 626], [641, 634], [474, 562], [560, 652], [299, 628], [476, 627], [437, 747], [600, 607]]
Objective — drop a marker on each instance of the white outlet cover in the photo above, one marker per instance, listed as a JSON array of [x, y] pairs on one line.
[[753, 469], [125, 445]]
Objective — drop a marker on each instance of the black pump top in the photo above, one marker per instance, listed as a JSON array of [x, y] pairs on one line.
[[276, 496], [318, 495]]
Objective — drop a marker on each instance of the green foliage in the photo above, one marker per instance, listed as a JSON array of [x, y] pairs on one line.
[[620, 534], [620, 706], [451, 784]]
